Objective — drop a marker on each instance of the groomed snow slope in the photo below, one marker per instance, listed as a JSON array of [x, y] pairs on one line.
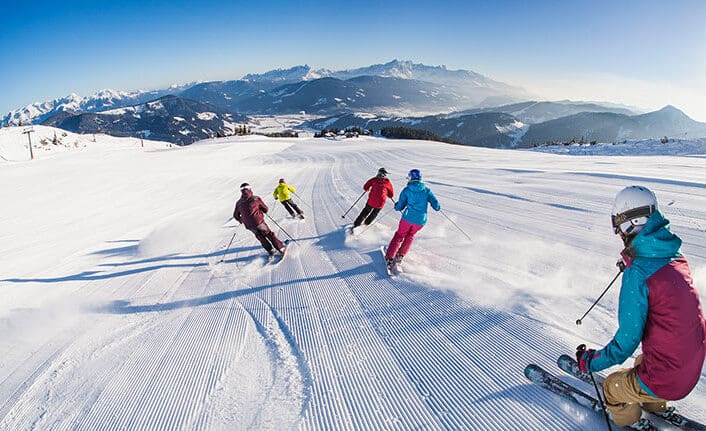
[[116, 313]]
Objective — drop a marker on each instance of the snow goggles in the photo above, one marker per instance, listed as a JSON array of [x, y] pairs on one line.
[[628, 215]]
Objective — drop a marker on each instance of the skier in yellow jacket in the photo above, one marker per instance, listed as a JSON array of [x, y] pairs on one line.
[[282, 193]]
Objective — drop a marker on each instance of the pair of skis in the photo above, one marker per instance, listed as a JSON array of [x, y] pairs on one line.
[[392, 269], [276, 259], [568, 364]]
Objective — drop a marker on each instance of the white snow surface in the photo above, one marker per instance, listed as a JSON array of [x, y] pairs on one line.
[[14, 145], [117, 312], [642, 147]]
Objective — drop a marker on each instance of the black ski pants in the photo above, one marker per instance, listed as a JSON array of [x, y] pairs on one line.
[[267, 238], [367, 215], [291, 207]]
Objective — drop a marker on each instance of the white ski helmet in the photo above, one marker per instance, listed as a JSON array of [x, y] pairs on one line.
[[633, 206]]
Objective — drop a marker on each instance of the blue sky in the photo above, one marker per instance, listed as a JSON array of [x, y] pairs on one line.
[[645, 53]]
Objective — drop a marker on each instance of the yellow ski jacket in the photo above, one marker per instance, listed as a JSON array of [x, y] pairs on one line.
[[282, 192]]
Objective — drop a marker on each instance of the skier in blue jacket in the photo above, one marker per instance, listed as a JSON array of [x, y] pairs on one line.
[[413, 203]]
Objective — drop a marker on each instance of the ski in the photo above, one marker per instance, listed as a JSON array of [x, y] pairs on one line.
[[570, 366], [391, 269], [279, 258], [276, 258], [550, 382]]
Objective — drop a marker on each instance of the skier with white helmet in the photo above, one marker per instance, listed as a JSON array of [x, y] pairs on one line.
[[659, 307], [250, 211], [413, 203]]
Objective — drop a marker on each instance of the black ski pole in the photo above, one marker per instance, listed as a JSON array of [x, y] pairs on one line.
[[621, 267], [231, 242], [280, 227], [303, 201], [356, 201], [581, 349]]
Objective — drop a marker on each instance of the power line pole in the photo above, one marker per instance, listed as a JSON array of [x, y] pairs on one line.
[[28, 132]]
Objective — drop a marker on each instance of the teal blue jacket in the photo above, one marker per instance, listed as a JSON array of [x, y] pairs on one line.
[[413, 202], [655, 246]]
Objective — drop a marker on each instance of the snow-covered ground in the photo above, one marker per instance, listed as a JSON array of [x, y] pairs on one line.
[[117, 314], [643, 147], [49, 141]]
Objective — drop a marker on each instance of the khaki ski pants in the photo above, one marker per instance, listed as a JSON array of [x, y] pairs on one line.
[[625, 398]]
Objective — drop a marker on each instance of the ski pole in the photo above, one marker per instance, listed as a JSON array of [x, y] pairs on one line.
[[280, 227], [231, 242], [621, 267], [303, 201], [356, 201], [454, 223], [582, 348]]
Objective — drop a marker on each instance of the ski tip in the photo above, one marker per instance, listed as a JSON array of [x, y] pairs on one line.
[[565, 359], [532, 370]]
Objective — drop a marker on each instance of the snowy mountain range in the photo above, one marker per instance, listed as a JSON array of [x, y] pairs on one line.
[[402, 69], [440, 89], [514, 125], [169, 118], [476, 110], [533, 112], [612, 127], [37, 113]]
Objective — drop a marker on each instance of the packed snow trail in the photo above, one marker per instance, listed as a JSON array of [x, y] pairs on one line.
[[127, 320]]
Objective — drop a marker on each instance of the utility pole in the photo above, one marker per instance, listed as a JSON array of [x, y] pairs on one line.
[[28, 132]]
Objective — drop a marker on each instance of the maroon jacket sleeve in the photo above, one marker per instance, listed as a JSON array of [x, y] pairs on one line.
[[263, 206], [368, 184], [236, 213]]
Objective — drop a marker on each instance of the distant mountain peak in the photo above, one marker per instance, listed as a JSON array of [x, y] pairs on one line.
[[291, 74], [670, 108]]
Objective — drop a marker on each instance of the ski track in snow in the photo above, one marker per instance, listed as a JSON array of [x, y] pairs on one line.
[[326, 340]]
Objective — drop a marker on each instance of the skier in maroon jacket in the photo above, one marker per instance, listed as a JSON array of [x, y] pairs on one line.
[[250, 210], [380, 189]]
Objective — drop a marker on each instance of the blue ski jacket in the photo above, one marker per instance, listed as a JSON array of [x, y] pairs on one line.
[[413, 202]]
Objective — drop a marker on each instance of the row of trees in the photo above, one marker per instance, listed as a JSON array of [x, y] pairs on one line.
[[408, 133], [582, 141], [350, 132]]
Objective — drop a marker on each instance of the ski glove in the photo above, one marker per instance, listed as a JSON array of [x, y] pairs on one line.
[[584, 357]]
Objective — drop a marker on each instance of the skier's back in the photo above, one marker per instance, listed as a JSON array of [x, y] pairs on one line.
[[414, 201], [379, 188], [249, 211], [282, 193]]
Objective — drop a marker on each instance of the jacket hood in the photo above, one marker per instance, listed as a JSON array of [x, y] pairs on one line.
[[656, 240], [416, 185]]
